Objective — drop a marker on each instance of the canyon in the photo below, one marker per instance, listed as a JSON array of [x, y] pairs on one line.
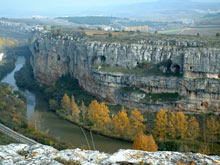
[[147, 73]]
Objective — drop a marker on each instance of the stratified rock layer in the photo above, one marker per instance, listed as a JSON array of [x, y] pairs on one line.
[[198, 68], [40, 154]]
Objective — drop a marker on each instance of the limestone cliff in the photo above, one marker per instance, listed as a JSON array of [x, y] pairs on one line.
[[22, 154], [145, 74]]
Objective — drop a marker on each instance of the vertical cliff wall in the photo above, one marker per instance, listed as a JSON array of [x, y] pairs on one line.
[[149, 75]]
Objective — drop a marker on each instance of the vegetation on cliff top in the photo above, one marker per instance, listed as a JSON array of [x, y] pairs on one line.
[[144, 69], [135, 37]]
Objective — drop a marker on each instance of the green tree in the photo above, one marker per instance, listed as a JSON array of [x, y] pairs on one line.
[[213, 127], [83, 111]]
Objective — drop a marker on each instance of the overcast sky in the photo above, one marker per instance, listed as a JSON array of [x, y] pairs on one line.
[[46, 6]]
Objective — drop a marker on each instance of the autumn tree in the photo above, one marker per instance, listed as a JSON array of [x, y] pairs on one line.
[[145, 143], [83, 111], [99, 114], [75, 109], [213, 127], [193, 129], [66, 104], [181, 125], [160, 128], [121, 123], [136, 122], [172, 125]]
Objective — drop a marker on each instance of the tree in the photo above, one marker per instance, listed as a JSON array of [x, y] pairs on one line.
[[83, 111], [172, 125], [193, 128], [213, 129], [136, 122], [160, 128], [99, 114], [75, 109], [121, 123], [145, 143], [66, 104], [181, 125]]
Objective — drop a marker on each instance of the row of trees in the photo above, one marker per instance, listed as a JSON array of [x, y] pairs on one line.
[[168, 126], [180, 126], [98, 115]]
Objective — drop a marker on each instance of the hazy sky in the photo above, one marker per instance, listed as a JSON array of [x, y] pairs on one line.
[[32, 7]]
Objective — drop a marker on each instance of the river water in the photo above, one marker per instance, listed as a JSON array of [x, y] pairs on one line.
[[46, 120]]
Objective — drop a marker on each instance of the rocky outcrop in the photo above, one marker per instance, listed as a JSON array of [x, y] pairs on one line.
[[187, 68], [40, 154]]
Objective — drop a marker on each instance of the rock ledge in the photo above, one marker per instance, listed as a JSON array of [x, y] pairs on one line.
[[40, 154]]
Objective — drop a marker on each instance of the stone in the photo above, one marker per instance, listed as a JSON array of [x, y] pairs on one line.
[[13, 154]]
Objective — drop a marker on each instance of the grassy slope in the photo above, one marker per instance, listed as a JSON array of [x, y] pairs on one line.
[[4, 139]]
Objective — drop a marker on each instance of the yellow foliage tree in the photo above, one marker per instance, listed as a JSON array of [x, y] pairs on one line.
[[75, 109], [161, 123], [99, 114], [172, 125], [136, 122], [83, 111], [66, 104], [193, 128], [121, 123], [145, 143], [213, 127], [181, 125]]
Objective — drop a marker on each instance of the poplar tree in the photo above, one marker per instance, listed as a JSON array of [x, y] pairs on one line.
[[145, 143], [99, 114], [66, 104], [83, 111], [172, 125], [75, 109], [181, 125], [213, 129], [161, 123], [121, 123], [193, 129], [136, 122]]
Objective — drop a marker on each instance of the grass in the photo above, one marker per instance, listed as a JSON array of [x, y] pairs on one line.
[[152, 97], [5, 140], [142, 69], [175, 31]]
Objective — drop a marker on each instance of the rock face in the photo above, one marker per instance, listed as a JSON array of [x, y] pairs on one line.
[[40, 154], [189, 69]]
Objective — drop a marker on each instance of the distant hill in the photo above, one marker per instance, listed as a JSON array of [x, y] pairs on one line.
[[211, 19], [159, 8]]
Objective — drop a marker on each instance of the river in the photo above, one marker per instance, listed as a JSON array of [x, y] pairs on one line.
[[37, 109]]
